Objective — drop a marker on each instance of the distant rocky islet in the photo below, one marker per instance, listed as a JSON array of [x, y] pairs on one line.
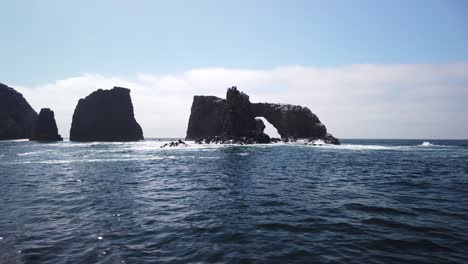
[[107, 115], [234, 120], [46, 127]]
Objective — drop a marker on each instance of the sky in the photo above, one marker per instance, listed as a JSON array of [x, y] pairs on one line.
[[368, 69]]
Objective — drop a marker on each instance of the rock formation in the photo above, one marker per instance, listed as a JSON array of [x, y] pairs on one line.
[[214, 120], [105, 115], [172, 144], [17, 117], [291, 121], [46, 127], [239, 122], [206, 117]]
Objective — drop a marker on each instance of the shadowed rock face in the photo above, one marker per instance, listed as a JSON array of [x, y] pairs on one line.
[[216, 120], [46, 127], [17, 117], [206, 117], [291, 121], [236, 122], [239, 119], [105, 115]]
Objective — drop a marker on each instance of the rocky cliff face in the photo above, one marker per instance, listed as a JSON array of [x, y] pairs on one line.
[[17, 117], [239, 121], [291, 121], [236, 121], [206, 117], [46, 127], [216, 120], [105, 115]]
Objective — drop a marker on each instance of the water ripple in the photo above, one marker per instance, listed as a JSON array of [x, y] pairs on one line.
[[364, 201]]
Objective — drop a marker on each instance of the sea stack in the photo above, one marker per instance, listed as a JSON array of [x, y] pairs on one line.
[[46, 127], [17, 117], [233, 120], [239, 122], [206, 117], [105, 115]]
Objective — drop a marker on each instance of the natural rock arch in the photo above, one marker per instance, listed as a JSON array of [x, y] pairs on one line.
[[270, 129], [217, 120], [291, 121]]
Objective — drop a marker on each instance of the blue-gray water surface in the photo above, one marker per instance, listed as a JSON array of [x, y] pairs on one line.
[[366, 201]]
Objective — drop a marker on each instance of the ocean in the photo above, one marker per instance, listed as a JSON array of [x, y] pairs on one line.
[[365, 201]]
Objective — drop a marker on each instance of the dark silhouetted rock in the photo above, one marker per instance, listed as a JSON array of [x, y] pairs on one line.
[[46, 127], [17, 117], [105, 115], [329, 139], [236, 122], [206, 117], [291, 121], [172, 144], [239, 119], [275, 140]]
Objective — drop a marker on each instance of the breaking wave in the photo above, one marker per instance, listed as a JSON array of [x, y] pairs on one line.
[[427, 144]]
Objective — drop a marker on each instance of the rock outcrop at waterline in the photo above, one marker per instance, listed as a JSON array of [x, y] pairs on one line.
[[215, 120], [105, 115], [46, 127], [172, 144], [17, 117]]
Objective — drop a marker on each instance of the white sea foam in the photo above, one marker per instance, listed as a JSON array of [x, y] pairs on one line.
[[33, 153], [427, 144], [18, 140], [108, 159], [151, 150], [318, 142], [361, 147]]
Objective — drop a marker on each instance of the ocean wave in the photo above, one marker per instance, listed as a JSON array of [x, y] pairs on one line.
[[33, 153], [17, 140], [156, 145], [373, 209], [360, 147], [427, 144], [364, 201], [59, 161], [151, 146]]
